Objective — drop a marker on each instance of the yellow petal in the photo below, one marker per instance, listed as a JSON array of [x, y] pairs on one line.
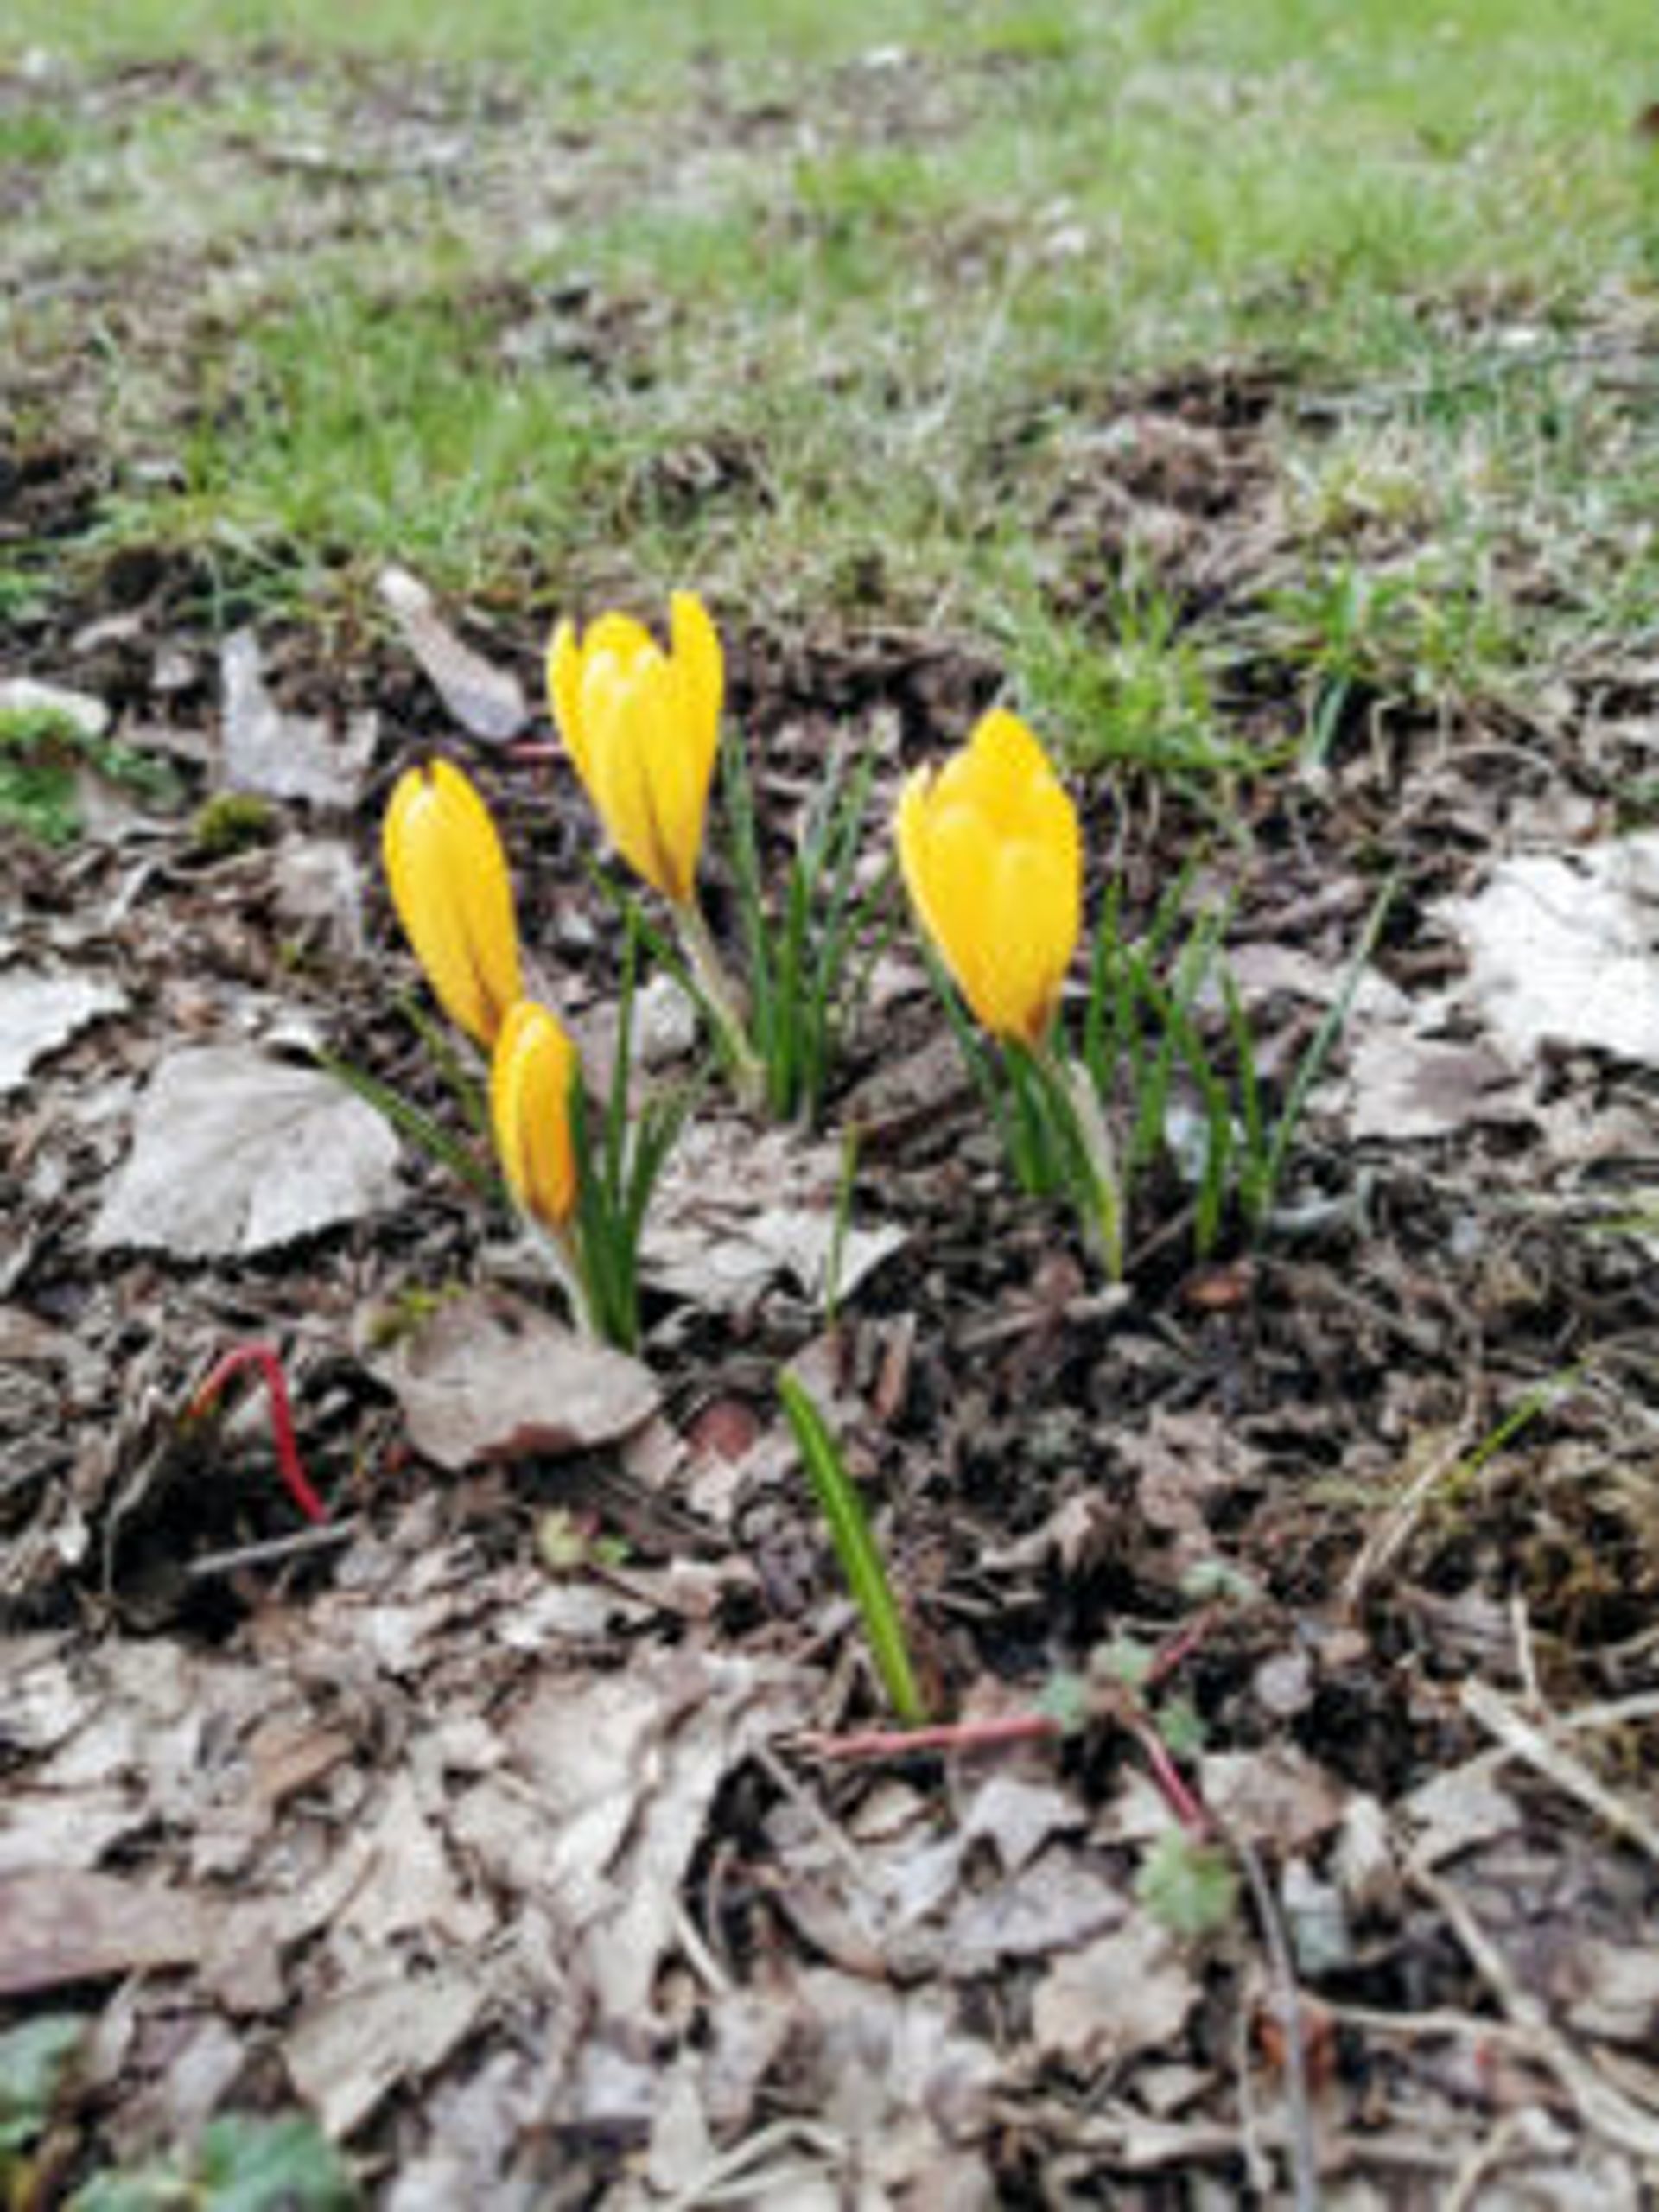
[[534, 1066], [679, 743], [1032, 913], [564, 693], [697, 654], [449, 880], [625, 743], [911, 824]]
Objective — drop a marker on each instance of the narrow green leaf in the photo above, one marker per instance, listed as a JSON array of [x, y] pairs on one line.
[[860, 1560]]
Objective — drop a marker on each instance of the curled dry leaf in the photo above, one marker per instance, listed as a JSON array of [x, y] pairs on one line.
[[487, 701], [39, 1012]]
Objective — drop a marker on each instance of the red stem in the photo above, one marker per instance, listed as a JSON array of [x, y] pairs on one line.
[[269, 1366], [946, 1736]]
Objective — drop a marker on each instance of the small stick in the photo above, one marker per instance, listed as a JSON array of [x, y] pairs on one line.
[[1523, 1740], [273, 1551], [269, 1366], [1305, 2165]]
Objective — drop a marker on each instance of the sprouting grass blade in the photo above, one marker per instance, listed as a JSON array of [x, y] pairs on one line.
[[856, 1547], [418, 1128]]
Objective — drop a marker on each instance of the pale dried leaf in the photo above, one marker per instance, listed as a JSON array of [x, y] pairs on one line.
[[283, 756], [1129, 1992], [604, 1799], [488, 701], [59, 1926], [26, 695], [1018, 1817], [1458, 1809], [1057, 1902], [489, 1377], [885, 2059], [407, 1882], [1617, 1991], [1403, 1085], [1562, 948], [349, 2052], [736, 1212], [1277, 1797], [66, 1828], [40, 1011], [234, 1153]]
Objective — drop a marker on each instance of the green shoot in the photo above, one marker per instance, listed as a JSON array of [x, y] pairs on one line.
[[856, 1549], [617, 1163], [797, 958]]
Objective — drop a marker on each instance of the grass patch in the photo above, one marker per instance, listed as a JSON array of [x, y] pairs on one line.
[[834, 259]]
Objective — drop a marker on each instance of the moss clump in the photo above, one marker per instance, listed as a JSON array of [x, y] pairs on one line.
[[232, 823]]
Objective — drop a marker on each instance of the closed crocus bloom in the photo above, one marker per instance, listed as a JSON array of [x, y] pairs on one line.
[[449, 885], [531, 1072], [643, 726], [992, 861]]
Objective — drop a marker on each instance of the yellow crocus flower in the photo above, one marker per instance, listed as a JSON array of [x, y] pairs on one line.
[[993, 860], [449, 880], [642, 726], [531, 1072]]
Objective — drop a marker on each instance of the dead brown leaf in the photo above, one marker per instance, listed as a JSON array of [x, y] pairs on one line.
[[490, 1377]]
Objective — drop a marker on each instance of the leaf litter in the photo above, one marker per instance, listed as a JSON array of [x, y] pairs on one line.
[[510, 1859]]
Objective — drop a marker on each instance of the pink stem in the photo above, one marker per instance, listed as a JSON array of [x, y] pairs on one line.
[[269, 1368], [1176, 1794], [947, 1736]]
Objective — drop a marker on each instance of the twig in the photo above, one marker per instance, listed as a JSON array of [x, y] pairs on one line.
[[1522, 1739], [1288, 1997], [268, 1365], [273, 1551], [1528, 2133]]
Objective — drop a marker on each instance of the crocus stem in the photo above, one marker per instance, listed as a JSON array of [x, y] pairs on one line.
[[560, 1250], [720, 996], [1100, 1200], [269, 1367]]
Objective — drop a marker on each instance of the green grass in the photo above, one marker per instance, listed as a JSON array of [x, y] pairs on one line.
[[889, 255]]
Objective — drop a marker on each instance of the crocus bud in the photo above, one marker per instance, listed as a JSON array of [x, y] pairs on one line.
[[449, 885], [533, 1071], [642, 727], [992, 859]]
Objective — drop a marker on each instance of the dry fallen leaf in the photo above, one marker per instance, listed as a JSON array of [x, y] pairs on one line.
[[605, 1797], [349, 2052], [39, 1012], [1561, 949], [279, 755], [736, 1213], [490, 1377], [234, 1153], [1276, 1797], [59, 1926], [1127, 1992], [488, 701]]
